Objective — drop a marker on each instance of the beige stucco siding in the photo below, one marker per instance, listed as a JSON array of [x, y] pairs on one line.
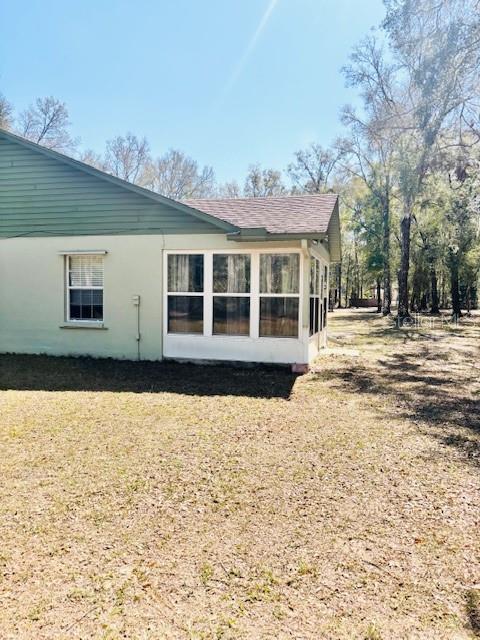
[[32, 300], [32, 296]]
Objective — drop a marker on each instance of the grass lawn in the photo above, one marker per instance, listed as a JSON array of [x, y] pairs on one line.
[[171, 501]]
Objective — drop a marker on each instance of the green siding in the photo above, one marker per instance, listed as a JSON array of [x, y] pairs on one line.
[[43, 196]]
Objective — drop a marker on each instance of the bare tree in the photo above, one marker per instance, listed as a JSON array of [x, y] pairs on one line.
[[6, 113], [263, 182], [91, 157], [47, 122], [176, 175], [313, 168], [369, 149], [127, 157], [230, 190], [369, 157]]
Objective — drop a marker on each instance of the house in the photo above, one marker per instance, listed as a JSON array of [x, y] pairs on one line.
[[93, 265]]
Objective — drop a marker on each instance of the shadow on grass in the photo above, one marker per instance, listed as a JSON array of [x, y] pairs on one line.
[[50, 373], [437, 400], [359, 323], [362, 325]]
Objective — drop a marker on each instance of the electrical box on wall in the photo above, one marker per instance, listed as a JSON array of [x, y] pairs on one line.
[[136, 300]]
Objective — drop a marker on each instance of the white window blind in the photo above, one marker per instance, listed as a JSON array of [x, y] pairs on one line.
[[86, 271]]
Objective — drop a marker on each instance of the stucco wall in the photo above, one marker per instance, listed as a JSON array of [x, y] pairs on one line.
[[32, 301]]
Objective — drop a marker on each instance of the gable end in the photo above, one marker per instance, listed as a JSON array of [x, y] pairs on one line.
[[44, 193]]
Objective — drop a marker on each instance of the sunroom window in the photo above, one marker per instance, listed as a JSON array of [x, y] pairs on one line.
[[85, 288], [315, 293], [325, 295], [231, 294], [279, 294], [185, 293]]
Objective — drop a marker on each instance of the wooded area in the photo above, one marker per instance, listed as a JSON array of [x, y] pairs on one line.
[[407, 167]]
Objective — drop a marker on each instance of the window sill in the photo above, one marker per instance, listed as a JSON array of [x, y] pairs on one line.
[[278, 337], [83, 325]]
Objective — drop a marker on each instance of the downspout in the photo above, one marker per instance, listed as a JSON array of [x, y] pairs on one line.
[[138, 337]]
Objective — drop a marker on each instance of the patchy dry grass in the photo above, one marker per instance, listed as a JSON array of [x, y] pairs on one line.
[[166, 501]]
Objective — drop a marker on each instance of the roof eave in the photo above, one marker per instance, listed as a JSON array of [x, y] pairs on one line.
[[255, 235]]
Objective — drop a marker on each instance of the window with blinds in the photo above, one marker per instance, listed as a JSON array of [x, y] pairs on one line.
[[84, 288]]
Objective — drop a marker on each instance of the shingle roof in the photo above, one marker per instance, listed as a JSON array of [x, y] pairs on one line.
[[287, 214]]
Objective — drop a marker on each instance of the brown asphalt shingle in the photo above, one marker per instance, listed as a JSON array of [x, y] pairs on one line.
[[288, 214]]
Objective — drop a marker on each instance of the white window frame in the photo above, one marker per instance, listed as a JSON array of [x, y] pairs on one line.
[[316, 295], [254, 293], [325, 294], [182, 294], [68, 287], [248, 294], [283, 252]]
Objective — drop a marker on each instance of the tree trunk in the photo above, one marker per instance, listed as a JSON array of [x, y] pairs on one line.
[[444, 302], [454, 288], [434, 287], [379, 296], [387, 287], [415, 293], [356, 273], [404, 266], [347, 284], [340, 286]]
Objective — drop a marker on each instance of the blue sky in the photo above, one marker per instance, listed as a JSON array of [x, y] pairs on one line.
[[230, 82]]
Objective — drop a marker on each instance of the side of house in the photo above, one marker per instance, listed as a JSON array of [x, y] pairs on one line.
[[90, 265]]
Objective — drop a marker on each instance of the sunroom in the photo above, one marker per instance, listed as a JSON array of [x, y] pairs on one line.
[[258, 304]]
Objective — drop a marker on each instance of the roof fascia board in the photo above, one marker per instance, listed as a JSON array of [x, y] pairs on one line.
[[334, 229], [238, 237], [248, 233]]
